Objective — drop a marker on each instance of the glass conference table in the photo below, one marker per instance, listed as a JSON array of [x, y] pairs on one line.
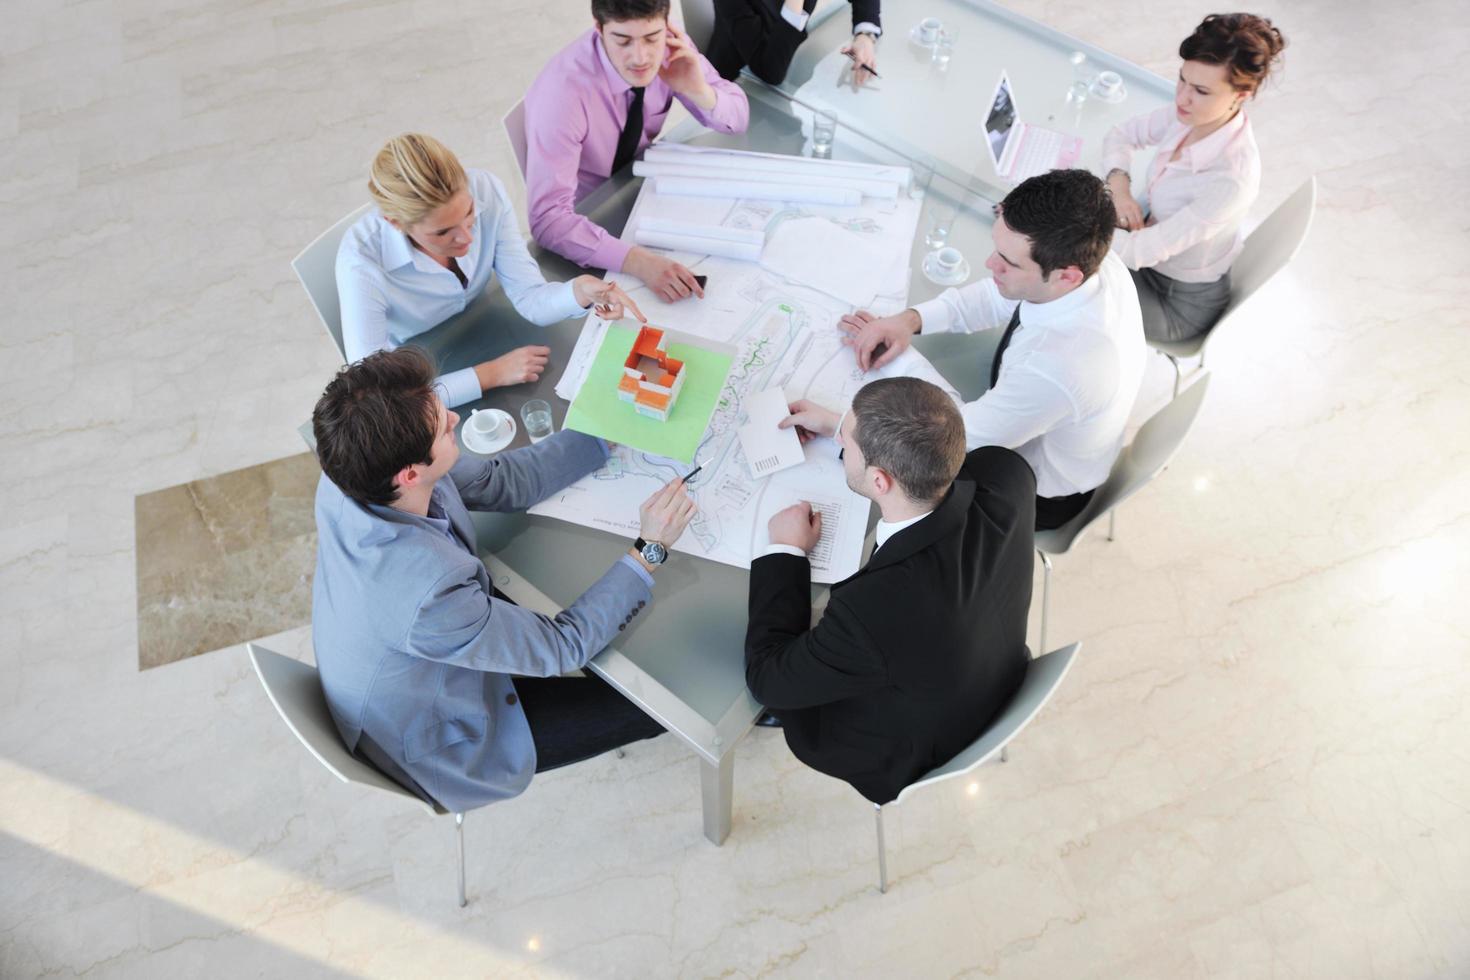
[[682, 661]]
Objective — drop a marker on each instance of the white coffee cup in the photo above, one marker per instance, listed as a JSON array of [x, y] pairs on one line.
[[929, 29], [486, 424], [948, 259], [1108, 84]]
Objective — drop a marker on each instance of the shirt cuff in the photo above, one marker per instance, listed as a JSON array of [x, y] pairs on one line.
[[637, 566], [866, 27], [610, 253], [567, 302], [459, 387], [934, 316], [797, 20], [782, 549]]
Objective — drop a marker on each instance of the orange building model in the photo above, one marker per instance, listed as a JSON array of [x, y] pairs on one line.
[[651, 378]]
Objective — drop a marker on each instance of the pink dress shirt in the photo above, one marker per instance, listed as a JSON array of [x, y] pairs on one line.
[[575, 112], [1197, 202]]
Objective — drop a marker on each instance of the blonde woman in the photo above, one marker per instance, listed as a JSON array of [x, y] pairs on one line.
[[1204, 176], [429, 248]]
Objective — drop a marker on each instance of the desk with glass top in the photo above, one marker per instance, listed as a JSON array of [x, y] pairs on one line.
[[924, 112], [682, 660]]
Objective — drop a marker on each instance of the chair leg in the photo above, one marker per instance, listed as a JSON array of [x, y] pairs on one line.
[[1201, 360], [1005, 753], [1178, 373], [1045, 598], [882, 852], [459, 846], [1112, 522]]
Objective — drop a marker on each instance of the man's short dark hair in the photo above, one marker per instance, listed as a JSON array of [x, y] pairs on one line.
[[376, 417], [1069, 217], [604, 11], [912, 430]]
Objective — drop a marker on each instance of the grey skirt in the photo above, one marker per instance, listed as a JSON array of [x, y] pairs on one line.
[[1174, 310]]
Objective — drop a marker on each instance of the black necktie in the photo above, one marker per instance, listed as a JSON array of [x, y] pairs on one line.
[[632, 133], [1005, 341]]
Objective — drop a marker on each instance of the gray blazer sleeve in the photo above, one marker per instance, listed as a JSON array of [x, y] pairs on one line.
[[515, 480], [457, 622]]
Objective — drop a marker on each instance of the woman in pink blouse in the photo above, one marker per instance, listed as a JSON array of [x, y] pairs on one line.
[[1180, 239]]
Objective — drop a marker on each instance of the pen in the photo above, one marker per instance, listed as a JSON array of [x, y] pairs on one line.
[[693, 473], [865, 68]]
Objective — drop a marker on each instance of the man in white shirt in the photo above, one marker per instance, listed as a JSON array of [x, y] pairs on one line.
[[1068, 367]]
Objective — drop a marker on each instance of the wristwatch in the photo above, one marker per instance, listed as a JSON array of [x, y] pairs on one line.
[[652, 552]]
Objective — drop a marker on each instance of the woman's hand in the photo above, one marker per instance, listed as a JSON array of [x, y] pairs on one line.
[[1130, 215]]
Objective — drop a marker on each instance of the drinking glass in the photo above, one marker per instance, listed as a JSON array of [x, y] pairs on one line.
[[943, 49], [824, 131], [536, 417]]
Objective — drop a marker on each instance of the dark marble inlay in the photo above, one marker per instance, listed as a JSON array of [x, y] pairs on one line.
[[225, 560]]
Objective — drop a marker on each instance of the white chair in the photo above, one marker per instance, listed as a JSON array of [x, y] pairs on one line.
[[296, 691], [316, 267], [1266, 251], [515, 131], [1043, 675], [699, 21], [1139, 462]]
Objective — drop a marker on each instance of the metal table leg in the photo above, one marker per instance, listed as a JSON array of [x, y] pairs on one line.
[[718, 785]]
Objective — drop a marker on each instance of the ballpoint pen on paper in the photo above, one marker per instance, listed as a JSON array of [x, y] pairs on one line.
[[694, 472]]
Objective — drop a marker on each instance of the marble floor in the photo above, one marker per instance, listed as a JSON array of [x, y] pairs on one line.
[[1260, 767]]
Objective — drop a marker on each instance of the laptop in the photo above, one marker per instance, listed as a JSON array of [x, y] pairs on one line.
[[1020, 150]]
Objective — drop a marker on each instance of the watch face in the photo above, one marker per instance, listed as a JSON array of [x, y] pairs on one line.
[[654, 553]]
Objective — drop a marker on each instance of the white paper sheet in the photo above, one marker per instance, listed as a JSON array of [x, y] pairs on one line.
[[768, 448], [755, 190], [698, 245]]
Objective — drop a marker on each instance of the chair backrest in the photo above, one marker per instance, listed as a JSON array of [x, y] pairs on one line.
[[296, 691], [515, 131], [1269, 248], [1043, 675], [699, 21], [316, 267], [1139, 462]]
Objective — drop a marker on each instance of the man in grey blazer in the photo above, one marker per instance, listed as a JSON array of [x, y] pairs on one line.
[[415, 647]]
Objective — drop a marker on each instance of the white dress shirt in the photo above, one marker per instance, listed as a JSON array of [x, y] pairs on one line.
[[1068, 379], [1197, 202], [391, 291]]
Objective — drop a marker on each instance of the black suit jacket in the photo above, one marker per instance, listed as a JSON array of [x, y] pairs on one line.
[[753, 33], [918, 651]]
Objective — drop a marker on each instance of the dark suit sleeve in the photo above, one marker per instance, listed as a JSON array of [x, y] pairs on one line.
[[867, 10], [788, 662], [998, 470]]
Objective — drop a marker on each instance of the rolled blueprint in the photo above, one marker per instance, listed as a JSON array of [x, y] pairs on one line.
[[757, 190], [748, 251], [750, 236], [773, 174]]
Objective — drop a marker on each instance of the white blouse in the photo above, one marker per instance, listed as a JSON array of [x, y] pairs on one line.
[[1197, 202], [391, 291]]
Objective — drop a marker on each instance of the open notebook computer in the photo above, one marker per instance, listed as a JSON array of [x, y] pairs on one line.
[[1020, 150]]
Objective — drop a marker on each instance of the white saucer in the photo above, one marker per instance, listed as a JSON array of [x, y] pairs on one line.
[[914, 37], [1118, 95], [472, 441], [934, 274]]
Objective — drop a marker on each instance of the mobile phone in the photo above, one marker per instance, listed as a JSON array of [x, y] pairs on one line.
[[701, 280]]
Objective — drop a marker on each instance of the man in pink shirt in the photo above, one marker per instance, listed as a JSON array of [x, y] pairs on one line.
[[594, 107]]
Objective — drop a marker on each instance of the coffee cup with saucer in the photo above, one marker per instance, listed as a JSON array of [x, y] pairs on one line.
[[488, 430], [926, 32], [946, 266], [1108, 87]]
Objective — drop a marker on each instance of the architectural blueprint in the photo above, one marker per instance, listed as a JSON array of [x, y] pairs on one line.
[[785, 335]]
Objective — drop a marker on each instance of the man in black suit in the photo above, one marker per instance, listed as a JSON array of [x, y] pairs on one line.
[[926, 644], [765, 34]]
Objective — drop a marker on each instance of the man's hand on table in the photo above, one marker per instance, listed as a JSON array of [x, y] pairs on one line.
[[798, 526], [669, 280], [878, 340], [863, 50]]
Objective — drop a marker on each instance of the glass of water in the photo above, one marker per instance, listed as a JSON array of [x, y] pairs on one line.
[[1082, 76], [940, 220], [922, 175], [824, 131], [943, 49], [536, 417]]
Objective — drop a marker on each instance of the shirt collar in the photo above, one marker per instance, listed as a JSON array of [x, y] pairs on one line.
[[885, 530], [1061, 307], [398, 251], [1207, 150], [615, 82]]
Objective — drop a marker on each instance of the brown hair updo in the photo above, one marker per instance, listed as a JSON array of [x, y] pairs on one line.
[[1248, 46]]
